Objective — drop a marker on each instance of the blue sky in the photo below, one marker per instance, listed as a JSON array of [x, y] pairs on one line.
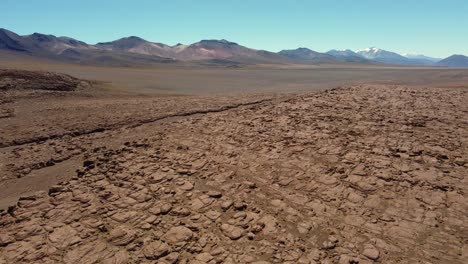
[[431, 27]]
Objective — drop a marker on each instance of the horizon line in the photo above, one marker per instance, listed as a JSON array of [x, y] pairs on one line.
[[226, 39]]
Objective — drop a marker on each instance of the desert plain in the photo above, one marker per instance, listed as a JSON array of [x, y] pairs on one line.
[[257, 164]]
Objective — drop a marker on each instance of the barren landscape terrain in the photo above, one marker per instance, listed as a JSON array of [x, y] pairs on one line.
[[250, 165]]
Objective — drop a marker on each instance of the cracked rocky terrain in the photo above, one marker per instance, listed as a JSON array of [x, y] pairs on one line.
[[360, 174]]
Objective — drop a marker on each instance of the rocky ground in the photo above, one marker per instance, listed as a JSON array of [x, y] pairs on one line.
[[358, 174], [37, 80]]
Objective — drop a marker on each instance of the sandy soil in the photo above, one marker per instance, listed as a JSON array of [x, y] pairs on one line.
[[359, 174], [268, 78]]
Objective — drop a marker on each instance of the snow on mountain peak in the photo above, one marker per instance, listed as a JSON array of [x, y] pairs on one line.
[[372, 49], [370, 53]]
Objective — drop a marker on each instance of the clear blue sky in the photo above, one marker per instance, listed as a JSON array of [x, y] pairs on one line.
[[431, 27]]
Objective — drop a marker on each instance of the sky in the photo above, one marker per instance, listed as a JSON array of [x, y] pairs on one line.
[[437, 28]]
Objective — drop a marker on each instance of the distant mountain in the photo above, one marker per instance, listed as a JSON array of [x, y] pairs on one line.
[[54, 44], [420, 57], [454, 61], [214, 49], [223, 49], [343, 53], [70, 50], [133, 50], [204, 50], [139, 46], [380, 55], [385, 56], [348, 56], [308, 56], [39, 43], [11, 41]]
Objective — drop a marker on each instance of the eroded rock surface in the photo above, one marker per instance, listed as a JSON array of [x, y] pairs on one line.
[[354, 175]]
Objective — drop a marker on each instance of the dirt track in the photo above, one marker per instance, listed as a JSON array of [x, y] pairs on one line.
[[354, 175]]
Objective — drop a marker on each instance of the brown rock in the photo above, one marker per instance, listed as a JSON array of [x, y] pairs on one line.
[[22, 251], [214, 194], [328, 245], [170, 259], [226, 205], [460, 161], [178, 234], [233, 232], [6, 239], [121, 236], [240, 206], [204, 257], [162, 208], [63, 237], [269, 224], [155, 249], [87, 253], [123, 217], [119, 257], [371, 253], [213, 215]]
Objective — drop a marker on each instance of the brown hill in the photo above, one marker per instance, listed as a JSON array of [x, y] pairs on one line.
[[135, 51]]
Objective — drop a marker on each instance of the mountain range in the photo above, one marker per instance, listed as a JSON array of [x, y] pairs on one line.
[[133, 50], [384, 56]]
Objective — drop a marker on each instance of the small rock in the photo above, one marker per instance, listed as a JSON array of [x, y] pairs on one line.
[[233, 232], [250, 185], [121, 236], [328, 245], [214, 194], [171, 258], [212, 215], [186, 186], [178, 234], [269, 224], [226, 205], [5, 240], [63, 237], [217, 251], [371, 253], [204, 257], [155, 249], [180, 212], [163, 209], [146, 226], [460, 161], [57, 189], [240, 206]]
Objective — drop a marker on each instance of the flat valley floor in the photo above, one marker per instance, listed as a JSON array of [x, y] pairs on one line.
[[374, 171]]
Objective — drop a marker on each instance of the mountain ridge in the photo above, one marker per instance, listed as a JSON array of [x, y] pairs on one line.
[[456, 60], [131, 49]]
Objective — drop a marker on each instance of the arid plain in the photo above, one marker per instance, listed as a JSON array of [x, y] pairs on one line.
[[257, 164]]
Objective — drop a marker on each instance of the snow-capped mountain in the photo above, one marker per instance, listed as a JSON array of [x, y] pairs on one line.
[[385, 56], [379, 54], [137, 51], [348, 56], [314, 57]]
